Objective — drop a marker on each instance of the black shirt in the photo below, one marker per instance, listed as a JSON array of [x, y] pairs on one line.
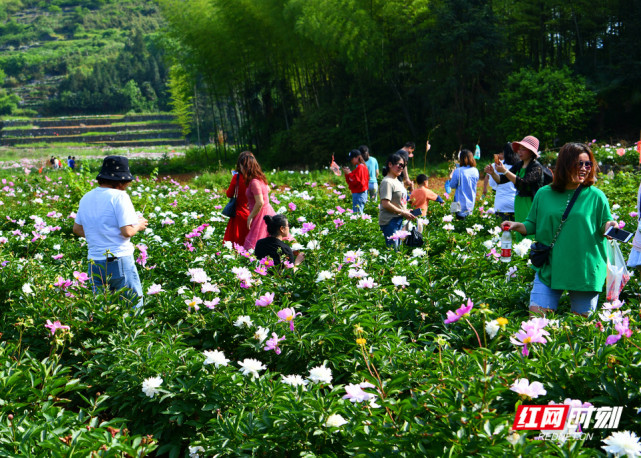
[[274, 248]]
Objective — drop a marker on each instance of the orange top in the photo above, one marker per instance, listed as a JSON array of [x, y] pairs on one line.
[[420, 198]]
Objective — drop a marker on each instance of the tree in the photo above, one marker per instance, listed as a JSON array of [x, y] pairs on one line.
[[552, 105], [180, 90]]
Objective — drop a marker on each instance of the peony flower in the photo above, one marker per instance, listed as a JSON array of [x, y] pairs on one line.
[[261, 334], [251, 366], [193, 302], [57, 256], [353, 273], [307, 227], [320, 374], [198, 275], [335, 421], [355, 393], [215, 357], [529, 336], [154, 289], [492, 328], [399, 235], [448, 227], [272, 344], [324, 275], [526, 389], [294, 380], [459, 313], [287, 315], [243, 320], [401, 281], [265, 300], [209, 288], [53, 327], [448, 218], [366, 283], [212, 304], [622, 443], [150, 386]]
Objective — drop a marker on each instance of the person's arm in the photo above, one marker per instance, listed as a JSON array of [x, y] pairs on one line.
[[232, 187], [517, 227], [486, 181], [78, 230], [257, 206], [133, 229], [390, 207]]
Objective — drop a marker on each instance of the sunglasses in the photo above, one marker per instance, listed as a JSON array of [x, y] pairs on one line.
[[400, 164], [586, 164]]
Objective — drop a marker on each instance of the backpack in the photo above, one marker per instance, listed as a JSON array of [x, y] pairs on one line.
[[548, 175]]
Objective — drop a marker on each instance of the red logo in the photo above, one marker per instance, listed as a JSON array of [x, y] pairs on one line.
[[550, 417]]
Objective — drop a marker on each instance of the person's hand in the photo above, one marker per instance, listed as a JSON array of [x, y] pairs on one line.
[[408, 215], [299, 258], [489, 169], [346, 169], [500, 168], [608, 225], [427, 146], [142, 223], [249, 222], [514, 226]]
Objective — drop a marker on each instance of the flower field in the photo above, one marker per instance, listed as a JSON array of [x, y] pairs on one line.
[[361, 351]]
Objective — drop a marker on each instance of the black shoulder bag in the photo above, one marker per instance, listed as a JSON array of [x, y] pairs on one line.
[[539, 252], [230, 209]]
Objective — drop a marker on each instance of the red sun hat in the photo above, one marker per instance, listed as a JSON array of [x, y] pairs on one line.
[[530, 143]]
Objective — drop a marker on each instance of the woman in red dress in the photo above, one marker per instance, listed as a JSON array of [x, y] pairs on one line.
[[237, 230]]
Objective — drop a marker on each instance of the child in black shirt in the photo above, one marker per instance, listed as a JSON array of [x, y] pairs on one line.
[[273, 246]]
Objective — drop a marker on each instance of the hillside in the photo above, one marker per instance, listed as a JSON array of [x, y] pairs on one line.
[[82, 57]]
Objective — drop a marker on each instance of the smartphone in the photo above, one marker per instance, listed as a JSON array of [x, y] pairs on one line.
[[496, 159], [619, 234], [416, 212]]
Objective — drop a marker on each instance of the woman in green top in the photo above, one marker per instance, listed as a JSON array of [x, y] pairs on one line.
[[577, 262]]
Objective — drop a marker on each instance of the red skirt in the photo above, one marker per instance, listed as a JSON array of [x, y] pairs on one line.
[[237, 231]]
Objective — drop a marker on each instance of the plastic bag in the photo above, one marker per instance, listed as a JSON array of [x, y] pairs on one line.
[[335, 168], [618, 274]]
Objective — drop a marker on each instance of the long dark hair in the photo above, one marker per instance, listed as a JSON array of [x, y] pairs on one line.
[[274, 223], [250, 167], [467, 158], [566, 165], [509, 156], [392, 159]]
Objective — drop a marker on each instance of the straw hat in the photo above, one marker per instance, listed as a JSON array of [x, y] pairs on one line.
[[530, 143]]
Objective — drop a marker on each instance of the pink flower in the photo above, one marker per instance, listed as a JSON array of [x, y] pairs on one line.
[[459, 313], [621, 224], [287, 264], [267, 261], [338, 223], [62, 283], [530, 332], [355, 393], [340, 209], [189, 246], [309, 227], [292, 207], [287, 315], [272, 344], [634, 214], [261, 270], [366, 283], [529, 390], [623, 329], [212, 304], [154, 289], [142, 259], [399, 235], [55, 326], [57, 256], [82, 277], [330, 212], [265, 300], [493, 253]]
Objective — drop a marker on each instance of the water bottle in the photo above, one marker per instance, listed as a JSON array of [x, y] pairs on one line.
[[506, 244]]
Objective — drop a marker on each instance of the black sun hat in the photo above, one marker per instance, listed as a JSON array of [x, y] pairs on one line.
[[115, 168]]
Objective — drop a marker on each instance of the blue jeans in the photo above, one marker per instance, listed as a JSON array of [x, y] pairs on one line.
[[358, 201], [582, 302], [372, 190], [116, 275], [388, 230]]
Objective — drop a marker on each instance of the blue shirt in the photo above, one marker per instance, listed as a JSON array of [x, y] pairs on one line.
[[464, 179], [372, 168]]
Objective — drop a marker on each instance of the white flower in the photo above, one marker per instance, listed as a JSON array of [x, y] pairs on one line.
[[522, 248], [470, 231], [26, 288], [150, 386], [294, 380], [297, 247], [243, 320], [261, 334], [198, 275], [320, 374], [615, 207], [251, 366], [460, 293], [448, 227], [477, 227], [181, 290], [56, 247], [335, 421], [374, 252], [324, 275], [418, 252], [193, 451], [622, 443], [215, 357], [154, 289], [532, 390], [495, 231], [399, 280], [313, 245], [492, 327], [366, 283], [353, 273], [448, 218]]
